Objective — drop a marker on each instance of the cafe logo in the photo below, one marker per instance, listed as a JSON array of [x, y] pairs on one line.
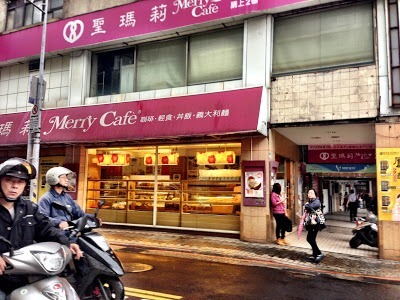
[[324, 155], [73, 30], [199, 7]]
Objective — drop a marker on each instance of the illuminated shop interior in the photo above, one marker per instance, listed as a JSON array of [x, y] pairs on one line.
[[193, 186]]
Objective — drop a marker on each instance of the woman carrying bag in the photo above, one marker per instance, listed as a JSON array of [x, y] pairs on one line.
[[279, 212], [314, 222]]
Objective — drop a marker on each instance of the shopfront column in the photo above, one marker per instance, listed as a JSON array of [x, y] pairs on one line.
[[255, 221]]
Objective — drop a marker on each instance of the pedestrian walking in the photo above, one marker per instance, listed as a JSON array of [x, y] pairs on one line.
[[279, 213], [352, 205], [311, 208]]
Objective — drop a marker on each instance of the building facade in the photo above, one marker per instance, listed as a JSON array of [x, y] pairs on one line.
[[182, 114]]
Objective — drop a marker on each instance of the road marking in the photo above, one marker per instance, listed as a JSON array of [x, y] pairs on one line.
[[151, 295]]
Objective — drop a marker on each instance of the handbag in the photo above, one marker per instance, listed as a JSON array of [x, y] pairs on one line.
[[287, 224], [315, 217]]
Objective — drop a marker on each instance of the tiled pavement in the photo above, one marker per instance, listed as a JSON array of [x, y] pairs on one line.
[[335, 238], [341, 261]]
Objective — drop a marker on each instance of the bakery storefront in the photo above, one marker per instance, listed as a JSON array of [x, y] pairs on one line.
[[172, 162]]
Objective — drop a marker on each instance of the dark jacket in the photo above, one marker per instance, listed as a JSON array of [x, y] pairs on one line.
[[29, 225]]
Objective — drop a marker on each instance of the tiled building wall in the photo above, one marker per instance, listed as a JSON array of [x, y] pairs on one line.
[[14, 85], [349, 93]]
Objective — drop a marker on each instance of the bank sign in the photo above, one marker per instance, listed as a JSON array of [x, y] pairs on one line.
[[124, 23], [235, 111], [341, 168]]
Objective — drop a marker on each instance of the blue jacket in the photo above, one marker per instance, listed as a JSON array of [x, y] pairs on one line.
[[312, 205], [55, 215]]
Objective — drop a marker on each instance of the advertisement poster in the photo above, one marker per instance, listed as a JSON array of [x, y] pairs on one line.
[[254, 184], [388, 181], [46, 163]]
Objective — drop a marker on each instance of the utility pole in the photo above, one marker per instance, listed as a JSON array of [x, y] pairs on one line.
[[38, 87]]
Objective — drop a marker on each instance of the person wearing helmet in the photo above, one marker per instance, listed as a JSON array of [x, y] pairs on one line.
[[20, 219], [59, 179]]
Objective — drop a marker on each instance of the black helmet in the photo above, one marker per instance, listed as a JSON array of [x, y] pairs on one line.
[[19, 168]]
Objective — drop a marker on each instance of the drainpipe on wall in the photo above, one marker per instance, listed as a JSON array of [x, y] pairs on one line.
[[383, 58]]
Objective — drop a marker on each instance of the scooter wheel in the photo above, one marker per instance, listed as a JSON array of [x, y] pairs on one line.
[[113, 289], [355, 242]]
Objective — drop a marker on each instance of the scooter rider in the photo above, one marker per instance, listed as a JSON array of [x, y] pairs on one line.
[[59, 179], [20, 219]]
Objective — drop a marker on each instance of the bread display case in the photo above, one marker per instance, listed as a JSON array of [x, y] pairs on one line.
[[190, 203], [141, 195], [215, 197]]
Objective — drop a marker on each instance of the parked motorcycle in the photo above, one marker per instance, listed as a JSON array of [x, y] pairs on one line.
[[366, 232], [97, 273], [40, 263]]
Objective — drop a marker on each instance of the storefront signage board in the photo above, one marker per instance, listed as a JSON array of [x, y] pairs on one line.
[[254, 179], [388, 183], [226, 112], [341, 154], [124, 23]]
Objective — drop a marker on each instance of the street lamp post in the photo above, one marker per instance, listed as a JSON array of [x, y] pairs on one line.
[[33, 149]]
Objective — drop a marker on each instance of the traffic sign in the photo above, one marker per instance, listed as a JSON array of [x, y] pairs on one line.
[[35, 110]]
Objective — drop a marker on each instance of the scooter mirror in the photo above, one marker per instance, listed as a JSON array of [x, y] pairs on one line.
[[81, 223], [100, 203]]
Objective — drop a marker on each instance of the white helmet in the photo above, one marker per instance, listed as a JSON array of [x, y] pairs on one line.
[[52, 175]]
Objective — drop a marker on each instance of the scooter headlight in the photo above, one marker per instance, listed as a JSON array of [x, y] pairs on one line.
[[51, 262]]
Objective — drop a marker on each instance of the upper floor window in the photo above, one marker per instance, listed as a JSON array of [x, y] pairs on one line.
[[327, 39], [198, 59], [21, 12]]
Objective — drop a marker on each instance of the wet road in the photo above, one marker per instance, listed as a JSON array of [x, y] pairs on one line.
[[158, 277]]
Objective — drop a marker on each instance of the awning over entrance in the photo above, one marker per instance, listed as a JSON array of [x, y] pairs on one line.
[[235, 111]]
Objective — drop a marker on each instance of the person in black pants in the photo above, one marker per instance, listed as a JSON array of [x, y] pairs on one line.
[[279, 212], [352, 204], [312, 205]]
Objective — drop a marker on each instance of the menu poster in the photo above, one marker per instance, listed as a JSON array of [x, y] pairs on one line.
[[388, 181], [254, 184]]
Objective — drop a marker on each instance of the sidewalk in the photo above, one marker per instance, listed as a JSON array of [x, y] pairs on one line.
[[340, 260]]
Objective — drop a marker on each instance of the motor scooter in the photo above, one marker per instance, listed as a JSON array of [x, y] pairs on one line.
[[97, 274], [40, 263], [366, 232]]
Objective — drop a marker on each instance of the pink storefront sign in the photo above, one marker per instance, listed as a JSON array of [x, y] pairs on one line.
[[126, 22], [235, 111], [341, 154]]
